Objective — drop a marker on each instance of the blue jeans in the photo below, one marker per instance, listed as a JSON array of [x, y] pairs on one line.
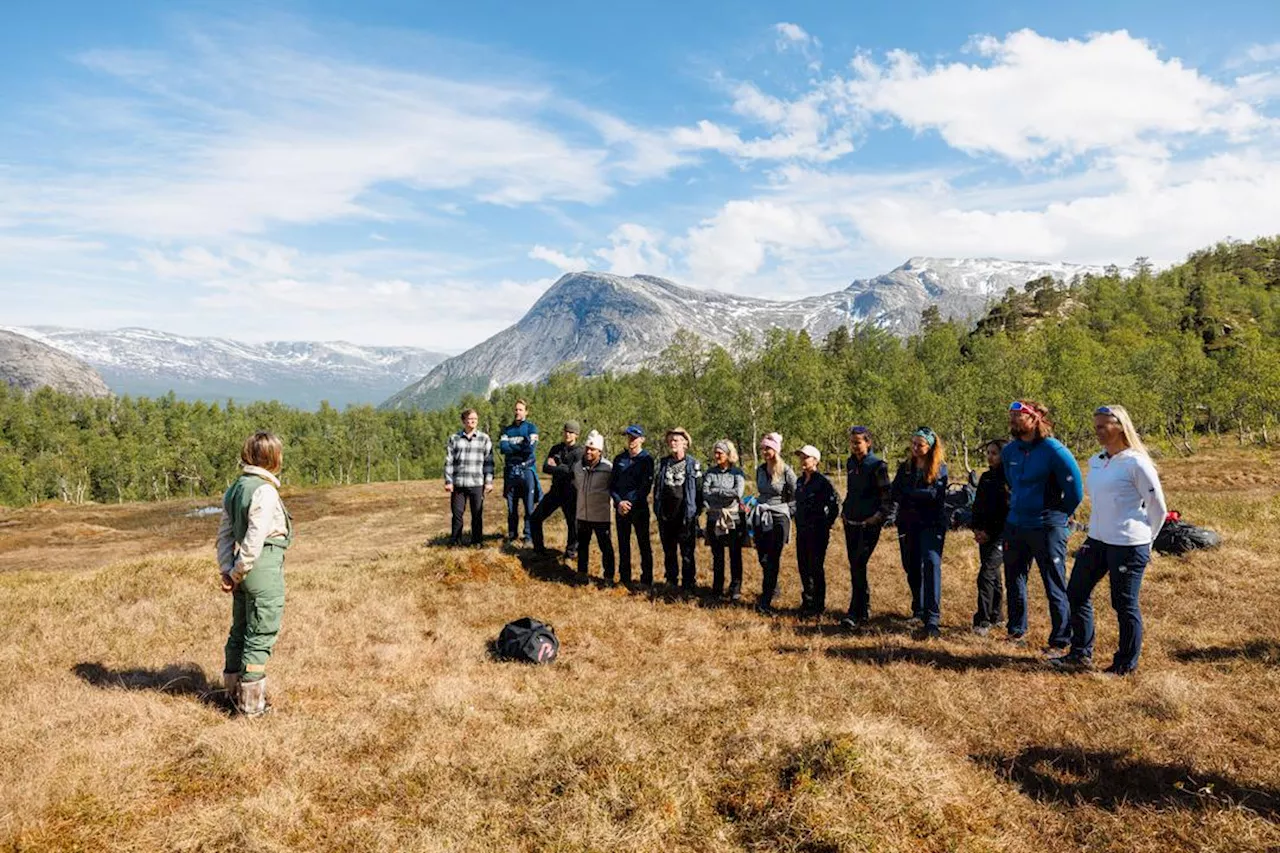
[[519, 486], [1048, 547], [1123, 565], [921, 549]]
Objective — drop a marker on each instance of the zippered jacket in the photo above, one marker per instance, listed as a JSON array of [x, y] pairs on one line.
[[1045, 485]]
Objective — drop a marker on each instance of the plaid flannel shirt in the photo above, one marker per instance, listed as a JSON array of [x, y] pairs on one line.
[[468, 461]]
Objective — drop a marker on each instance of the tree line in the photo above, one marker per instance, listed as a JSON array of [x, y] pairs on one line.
[[1193, 350]]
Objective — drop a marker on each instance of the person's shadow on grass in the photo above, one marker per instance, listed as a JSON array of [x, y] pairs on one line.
[[180, 679]]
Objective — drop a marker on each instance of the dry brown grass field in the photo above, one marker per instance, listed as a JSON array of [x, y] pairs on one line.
[[666, 724]]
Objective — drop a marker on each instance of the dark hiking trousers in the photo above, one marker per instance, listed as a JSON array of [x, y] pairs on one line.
[[552, 501], [458, 501], [860, 541], [1047, 546], [1123, 566], [600, 529], [679, 536], [990, 583], [638, 521]]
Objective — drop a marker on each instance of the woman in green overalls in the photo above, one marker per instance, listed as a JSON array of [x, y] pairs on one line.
[[255, 531]]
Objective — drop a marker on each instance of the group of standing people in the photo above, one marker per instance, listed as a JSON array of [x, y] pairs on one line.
[[1021, 516]]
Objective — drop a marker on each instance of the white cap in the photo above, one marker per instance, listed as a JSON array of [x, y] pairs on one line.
[[596, 440], [810, 450]]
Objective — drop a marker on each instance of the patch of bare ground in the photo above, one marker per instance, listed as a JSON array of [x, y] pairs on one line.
[[669, 723]]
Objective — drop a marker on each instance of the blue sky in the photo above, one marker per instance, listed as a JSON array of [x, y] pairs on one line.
[[411, 173]]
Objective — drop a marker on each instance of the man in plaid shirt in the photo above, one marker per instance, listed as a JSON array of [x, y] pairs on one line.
[[468, 476]]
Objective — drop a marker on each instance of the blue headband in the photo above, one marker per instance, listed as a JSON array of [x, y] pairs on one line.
[[927, 434]]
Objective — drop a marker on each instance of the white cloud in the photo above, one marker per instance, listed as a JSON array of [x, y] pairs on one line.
[[811, 127], [731, 246], [559, 260], [1039, 98], [1260, 53], [635, 250], [792, 33]]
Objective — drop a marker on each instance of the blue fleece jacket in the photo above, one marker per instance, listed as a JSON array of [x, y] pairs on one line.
[[1045, 485], [517, 445]]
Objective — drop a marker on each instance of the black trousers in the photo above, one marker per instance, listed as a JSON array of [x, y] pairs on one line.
[[731, 541], [769, 545], [637, 520], [458, 500], [990, 586], [678, 536], [860, 541], [811, 557], [556, 499], [601, 531]]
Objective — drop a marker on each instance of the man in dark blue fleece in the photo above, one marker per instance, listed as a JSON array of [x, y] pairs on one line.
[[519, 444], [629, 488], [1045, 487]]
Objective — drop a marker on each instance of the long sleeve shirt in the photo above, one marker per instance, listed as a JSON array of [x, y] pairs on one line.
[[267, 519], [817, 504], [1045, 485], [780, 498], [1128, 505], [920, 503], [468, 460], [561, 473]]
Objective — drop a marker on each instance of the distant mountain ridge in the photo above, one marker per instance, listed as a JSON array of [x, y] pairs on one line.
[[300, 373], [601, 321], [28, 365]]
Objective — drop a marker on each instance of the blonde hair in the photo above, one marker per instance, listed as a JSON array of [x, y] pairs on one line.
[[777, 469], [1131, 438], [730, 450], [264, 450]]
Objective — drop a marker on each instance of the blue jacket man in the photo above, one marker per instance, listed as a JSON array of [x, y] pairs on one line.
[[518, 442], [1045, 487]]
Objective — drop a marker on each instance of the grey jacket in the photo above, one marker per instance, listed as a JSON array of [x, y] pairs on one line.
[[781, 500], [724, 489], [594, 503]]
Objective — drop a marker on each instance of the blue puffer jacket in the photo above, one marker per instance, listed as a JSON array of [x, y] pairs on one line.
[[1045, 485]]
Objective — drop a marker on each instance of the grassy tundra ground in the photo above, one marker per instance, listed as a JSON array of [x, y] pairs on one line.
[[666, 724]]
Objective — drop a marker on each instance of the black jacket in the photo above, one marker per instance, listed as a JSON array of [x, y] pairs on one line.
[[817, 504], [562, 472], [991, 504], [920, 504], [869, 489]]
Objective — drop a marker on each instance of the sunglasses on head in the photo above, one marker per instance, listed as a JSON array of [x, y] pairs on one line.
[[1104, 410], [1019, 406], [858, 430]]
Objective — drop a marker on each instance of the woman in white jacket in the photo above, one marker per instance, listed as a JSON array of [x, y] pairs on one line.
[[1128, 510]]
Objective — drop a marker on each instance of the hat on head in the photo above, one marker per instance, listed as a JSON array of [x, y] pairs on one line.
[[679, 431], [810, 450], [773, 440], [635, 431], [573, 427], [595, 440]]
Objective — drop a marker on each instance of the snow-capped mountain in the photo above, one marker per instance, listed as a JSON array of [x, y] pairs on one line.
[[605, 322], [28, 364], [300, 373]]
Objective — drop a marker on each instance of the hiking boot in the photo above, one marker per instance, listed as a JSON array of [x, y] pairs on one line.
[[1072, 662], [982, 630], [1116, 672], [926, 634], [1052, 652], [853, 624], [1018, 640], [231, 688]]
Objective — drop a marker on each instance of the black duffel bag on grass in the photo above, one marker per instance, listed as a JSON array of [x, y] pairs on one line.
[[528, 640]]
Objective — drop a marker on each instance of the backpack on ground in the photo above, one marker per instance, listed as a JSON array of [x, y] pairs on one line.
[[1177, 537], [528, 640]]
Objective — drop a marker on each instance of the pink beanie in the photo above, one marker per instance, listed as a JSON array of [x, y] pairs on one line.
[[773, 440]]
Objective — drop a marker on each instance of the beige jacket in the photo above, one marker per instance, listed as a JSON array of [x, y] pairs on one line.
[[266, 519]]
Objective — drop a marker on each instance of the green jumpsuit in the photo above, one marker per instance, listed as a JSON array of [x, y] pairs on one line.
[[258, 600]]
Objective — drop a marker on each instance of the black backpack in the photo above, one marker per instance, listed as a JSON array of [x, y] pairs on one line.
[[528, 640]]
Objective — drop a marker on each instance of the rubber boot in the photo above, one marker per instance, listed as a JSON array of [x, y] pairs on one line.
[[231, 687], [253, 697]]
